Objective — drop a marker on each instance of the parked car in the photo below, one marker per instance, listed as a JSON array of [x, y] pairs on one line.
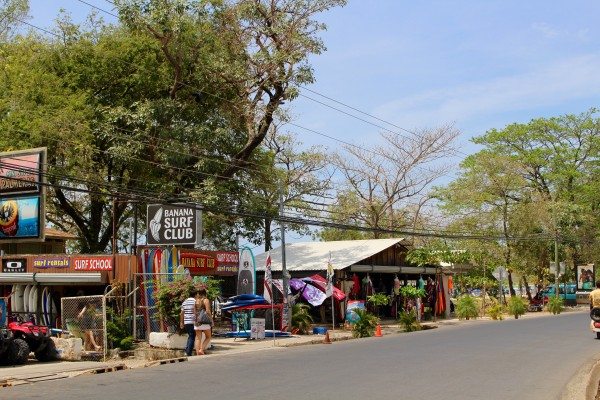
[[570, 298]]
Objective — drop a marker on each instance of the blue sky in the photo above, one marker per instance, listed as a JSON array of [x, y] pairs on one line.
[[478, 64]]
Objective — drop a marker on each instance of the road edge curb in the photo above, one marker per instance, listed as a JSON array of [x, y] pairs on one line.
[[584, 383]]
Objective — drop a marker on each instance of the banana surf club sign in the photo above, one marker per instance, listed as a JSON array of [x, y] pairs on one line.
[[173, 224]]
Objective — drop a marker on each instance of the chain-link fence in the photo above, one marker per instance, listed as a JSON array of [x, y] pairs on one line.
[[85, 317], [146, 315]]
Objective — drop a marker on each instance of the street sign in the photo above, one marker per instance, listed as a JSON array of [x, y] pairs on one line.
[[499, 273], [173, 224]]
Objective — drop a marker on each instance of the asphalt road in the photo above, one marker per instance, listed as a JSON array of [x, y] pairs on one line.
[[514, 359]]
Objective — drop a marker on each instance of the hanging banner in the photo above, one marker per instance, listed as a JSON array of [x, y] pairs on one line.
[[247, 272], [173, 224]]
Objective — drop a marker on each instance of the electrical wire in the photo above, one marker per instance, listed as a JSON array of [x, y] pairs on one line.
[[281, 218]]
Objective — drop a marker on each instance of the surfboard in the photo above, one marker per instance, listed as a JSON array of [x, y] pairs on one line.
[[13, 293], [245, 283], [45, 304], [26, 294], [19, 298], [54, 311], [149, 287], [164, 265], [172, 263], [33, 300]]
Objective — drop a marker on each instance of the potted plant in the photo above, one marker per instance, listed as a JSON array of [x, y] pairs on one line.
[[301, 318], [516, 306], [495, 312], [366, 324], [555, 305], [408, 319], [466, 308]]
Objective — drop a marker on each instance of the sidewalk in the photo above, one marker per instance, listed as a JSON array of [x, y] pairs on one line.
[[35, 371]]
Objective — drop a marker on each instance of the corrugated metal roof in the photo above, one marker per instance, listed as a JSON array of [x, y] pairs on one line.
[[313, 256]]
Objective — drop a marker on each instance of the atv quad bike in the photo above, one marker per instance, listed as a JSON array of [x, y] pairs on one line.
[[37, 339], [12, 351]]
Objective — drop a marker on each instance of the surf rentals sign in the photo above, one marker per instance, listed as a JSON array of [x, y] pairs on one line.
[[172, 224]]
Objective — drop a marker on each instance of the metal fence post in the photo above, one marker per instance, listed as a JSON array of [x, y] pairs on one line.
[[105, 339], [134, 307]]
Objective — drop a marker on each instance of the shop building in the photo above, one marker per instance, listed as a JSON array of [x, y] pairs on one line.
[[361, 268]]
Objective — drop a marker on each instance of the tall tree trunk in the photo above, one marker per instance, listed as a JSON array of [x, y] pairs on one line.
[[527, 290], [268, 237]]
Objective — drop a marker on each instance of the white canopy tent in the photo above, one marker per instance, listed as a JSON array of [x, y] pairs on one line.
[[314, 256]]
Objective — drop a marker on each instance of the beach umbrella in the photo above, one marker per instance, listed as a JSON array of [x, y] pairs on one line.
[[321, 283], [310, 293]]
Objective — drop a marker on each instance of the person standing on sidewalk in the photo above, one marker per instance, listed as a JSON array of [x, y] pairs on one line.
[[204, 321], [187, 318]]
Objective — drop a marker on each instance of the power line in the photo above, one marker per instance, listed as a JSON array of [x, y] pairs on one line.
[[351, 115], [282, 218]]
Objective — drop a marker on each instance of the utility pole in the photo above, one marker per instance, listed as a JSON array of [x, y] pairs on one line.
[[557, 264], [287, 314]]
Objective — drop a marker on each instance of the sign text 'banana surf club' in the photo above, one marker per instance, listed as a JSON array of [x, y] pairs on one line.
[[176, 224]]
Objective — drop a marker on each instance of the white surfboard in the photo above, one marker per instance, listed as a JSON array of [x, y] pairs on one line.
[[33, 297], [19, 298], [13, 292], [26, 294], [44, 302]]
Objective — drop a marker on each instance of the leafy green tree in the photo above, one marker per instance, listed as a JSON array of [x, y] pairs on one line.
[[170, 104], [11, 13]]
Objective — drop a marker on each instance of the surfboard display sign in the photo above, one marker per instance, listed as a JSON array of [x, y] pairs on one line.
[[247, 272], [171, 224], [14, 265]]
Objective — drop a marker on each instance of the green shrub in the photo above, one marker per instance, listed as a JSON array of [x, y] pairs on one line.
[[170, 295], [555, 305], [379, 299], [516, 306], [466, 307], [495, 312], [412, 292], [366, 324], [301, 318], [408, 320], [126, 343], [117, 327]]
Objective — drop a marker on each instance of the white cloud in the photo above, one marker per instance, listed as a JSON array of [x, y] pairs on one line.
[[551, 32], [545, 29], [550, 85]]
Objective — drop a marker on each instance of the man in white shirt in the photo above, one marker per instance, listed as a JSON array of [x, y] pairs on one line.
[[186, 321]]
